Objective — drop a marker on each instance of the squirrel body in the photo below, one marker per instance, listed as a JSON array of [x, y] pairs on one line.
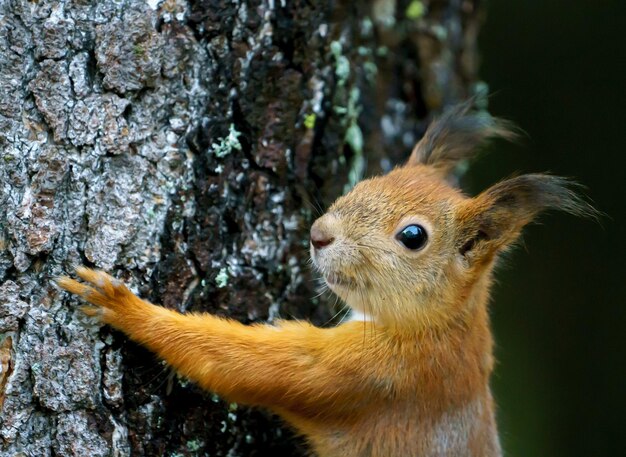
[[414, 257]]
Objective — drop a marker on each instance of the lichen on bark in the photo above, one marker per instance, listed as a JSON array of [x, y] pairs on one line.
[[185, 146]]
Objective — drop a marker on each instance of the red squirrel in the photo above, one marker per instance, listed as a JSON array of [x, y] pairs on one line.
[[412, 256]]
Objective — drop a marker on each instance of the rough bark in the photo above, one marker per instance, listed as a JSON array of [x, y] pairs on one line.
[[185, 146]]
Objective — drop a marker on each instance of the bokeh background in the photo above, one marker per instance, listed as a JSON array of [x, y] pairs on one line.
[[558, 70]]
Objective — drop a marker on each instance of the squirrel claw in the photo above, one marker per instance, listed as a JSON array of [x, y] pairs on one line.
[[99, 289], [92, 311]]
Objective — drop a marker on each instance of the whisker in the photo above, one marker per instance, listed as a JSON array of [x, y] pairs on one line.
[[322, 292], [343, 308], [375, 248]]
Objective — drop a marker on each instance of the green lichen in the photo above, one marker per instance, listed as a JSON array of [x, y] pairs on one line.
[[415, 10], [226, 145], [363, 51], [347, 107], [309, 120], [384, 13], [354, 138], [367, 26], [356, 171], [221, 280], [342, 64], [371, 70], [194, 445], [440, 32]]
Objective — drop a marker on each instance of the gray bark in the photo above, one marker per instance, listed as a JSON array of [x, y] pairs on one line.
[[186, 147]]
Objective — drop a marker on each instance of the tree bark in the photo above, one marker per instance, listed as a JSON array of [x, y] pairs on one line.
[[185, 147]]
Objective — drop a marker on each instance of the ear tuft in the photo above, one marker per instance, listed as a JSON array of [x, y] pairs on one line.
[[456, 135], [530, 194], [493, 220]]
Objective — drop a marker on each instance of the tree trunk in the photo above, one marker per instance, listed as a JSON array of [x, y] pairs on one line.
[[186, 146]]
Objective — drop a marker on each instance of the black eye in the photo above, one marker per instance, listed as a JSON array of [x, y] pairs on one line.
[[413, 237]]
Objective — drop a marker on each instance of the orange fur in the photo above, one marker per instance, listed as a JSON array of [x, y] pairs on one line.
[[412, 381]]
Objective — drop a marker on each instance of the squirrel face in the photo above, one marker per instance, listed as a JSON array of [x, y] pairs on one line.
[[409, 247], [358, 244]]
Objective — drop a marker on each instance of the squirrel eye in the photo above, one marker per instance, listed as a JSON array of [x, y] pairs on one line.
[[413, 237]]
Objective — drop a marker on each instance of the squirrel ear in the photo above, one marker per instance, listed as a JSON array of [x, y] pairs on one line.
[[493, 220], [455, 136]]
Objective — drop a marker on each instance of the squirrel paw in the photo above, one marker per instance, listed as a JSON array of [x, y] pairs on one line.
[[109, 296]]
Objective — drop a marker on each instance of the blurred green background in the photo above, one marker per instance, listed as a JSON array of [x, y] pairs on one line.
[[558, 70]]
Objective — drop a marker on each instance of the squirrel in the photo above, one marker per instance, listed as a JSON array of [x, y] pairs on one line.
[[413, 257]]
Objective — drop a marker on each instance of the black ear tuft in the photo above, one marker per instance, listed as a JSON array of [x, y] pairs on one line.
[[456, 135], [494, 219], [527, 195]]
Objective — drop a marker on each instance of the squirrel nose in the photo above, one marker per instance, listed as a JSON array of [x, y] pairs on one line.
[[319, 238]]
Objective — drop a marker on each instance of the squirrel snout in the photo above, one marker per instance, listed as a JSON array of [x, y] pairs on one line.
[[319, 237]]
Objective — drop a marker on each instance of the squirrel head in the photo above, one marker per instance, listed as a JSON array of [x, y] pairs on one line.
[[409, 248]]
